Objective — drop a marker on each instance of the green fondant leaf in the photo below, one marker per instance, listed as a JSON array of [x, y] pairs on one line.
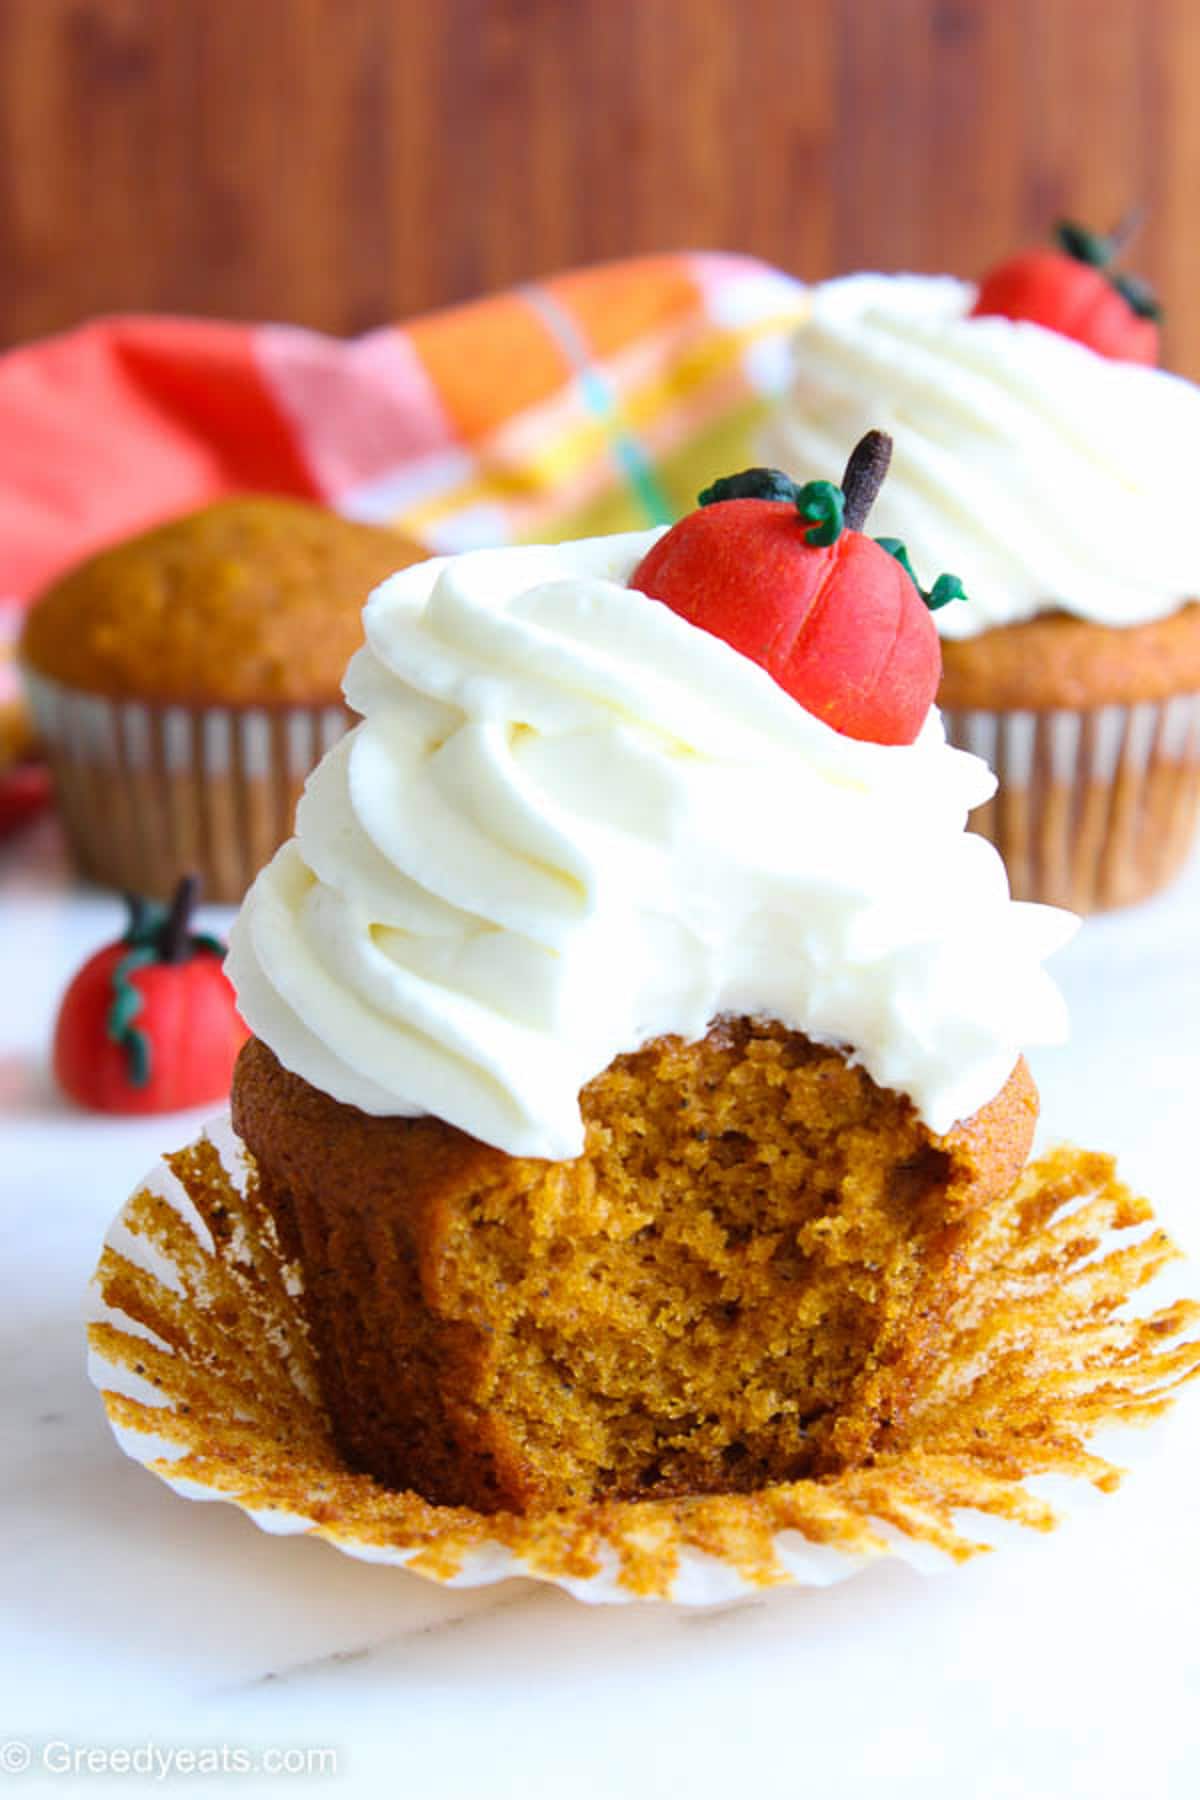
[[944, 589], [1090, 247], [824, 504], [1138, 296], [895, 547], [146, 920], [127, 1003], [137, 1055], [750, 484]]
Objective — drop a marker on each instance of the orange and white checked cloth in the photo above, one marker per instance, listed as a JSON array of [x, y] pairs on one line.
[[597, 400]]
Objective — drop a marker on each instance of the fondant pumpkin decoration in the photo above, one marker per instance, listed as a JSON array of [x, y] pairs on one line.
[[1075, 290], [150, 1023], [24, 794], [785, 575]]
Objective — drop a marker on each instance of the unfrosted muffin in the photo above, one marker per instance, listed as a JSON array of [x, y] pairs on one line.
[[1057, 483], [186, 681], [636, 1056]]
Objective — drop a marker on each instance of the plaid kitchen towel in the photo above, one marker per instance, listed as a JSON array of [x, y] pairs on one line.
[[594, 401]]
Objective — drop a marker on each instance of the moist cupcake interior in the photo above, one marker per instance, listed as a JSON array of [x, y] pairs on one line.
[[737, 1283]]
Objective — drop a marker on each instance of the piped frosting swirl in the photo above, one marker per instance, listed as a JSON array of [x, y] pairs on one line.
[[1045, 475], [570, 822]]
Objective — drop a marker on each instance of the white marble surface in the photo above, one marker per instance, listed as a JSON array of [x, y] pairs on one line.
[[1062, 1667]]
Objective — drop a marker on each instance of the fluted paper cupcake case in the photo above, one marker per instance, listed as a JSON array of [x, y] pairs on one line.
[[148, 791], [199, 1348], [1096, 808]]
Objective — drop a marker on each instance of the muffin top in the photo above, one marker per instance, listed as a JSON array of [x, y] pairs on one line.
[[255, 600]]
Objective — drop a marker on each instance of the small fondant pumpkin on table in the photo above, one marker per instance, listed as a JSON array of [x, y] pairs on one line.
[[150, 1023], [785, 575], [24, 794]]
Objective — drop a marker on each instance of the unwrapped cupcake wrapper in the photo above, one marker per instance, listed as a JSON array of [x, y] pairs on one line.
[[150, 792], [1096, 808], [199, 1347]]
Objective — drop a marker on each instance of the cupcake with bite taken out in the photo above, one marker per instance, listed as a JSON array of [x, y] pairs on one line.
[[1041, 455], [637, 1028]]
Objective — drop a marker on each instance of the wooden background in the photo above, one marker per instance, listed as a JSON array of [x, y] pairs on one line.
[[342, 162]]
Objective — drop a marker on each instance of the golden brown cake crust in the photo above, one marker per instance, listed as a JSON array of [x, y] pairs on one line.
[[738, 1282], [1058, 661], [255, 600]]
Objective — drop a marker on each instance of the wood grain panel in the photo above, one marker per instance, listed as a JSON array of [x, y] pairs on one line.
[[341, 162]]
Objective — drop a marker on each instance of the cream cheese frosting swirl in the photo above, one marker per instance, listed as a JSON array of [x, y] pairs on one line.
[[570, 822], [1044, 475]]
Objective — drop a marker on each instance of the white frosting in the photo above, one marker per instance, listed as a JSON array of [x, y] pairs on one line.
[[1043, 474], [570, 822]]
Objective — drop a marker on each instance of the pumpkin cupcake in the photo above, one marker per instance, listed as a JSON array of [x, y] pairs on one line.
[[1050, 466], [638, 1031], [185, 683]]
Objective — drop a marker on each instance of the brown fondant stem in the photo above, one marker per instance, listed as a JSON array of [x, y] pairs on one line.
[[864, 475], [173, 944], [1125, 230]]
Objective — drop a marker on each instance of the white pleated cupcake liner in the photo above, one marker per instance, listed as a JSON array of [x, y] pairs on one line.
[[198, 1345], [1096, 808], [148, 792]]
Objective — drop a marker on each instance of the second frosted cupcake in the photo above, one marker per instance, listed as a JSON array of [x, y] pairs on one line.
[[1056, 481]]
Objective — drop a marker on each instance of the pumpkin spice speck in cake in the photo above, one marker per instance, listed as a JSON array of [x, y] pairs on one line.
[[637, 1029], [1040, 453]]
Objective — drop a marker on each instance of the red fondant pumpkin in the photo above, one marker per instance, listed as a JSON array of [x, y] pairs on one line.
[[150, 1024], [1073, 290], [840, 624], [24, 793]]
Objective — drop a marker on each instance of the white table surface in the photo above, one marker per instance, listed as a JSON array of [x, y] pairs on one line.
[[1067, 1666]]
